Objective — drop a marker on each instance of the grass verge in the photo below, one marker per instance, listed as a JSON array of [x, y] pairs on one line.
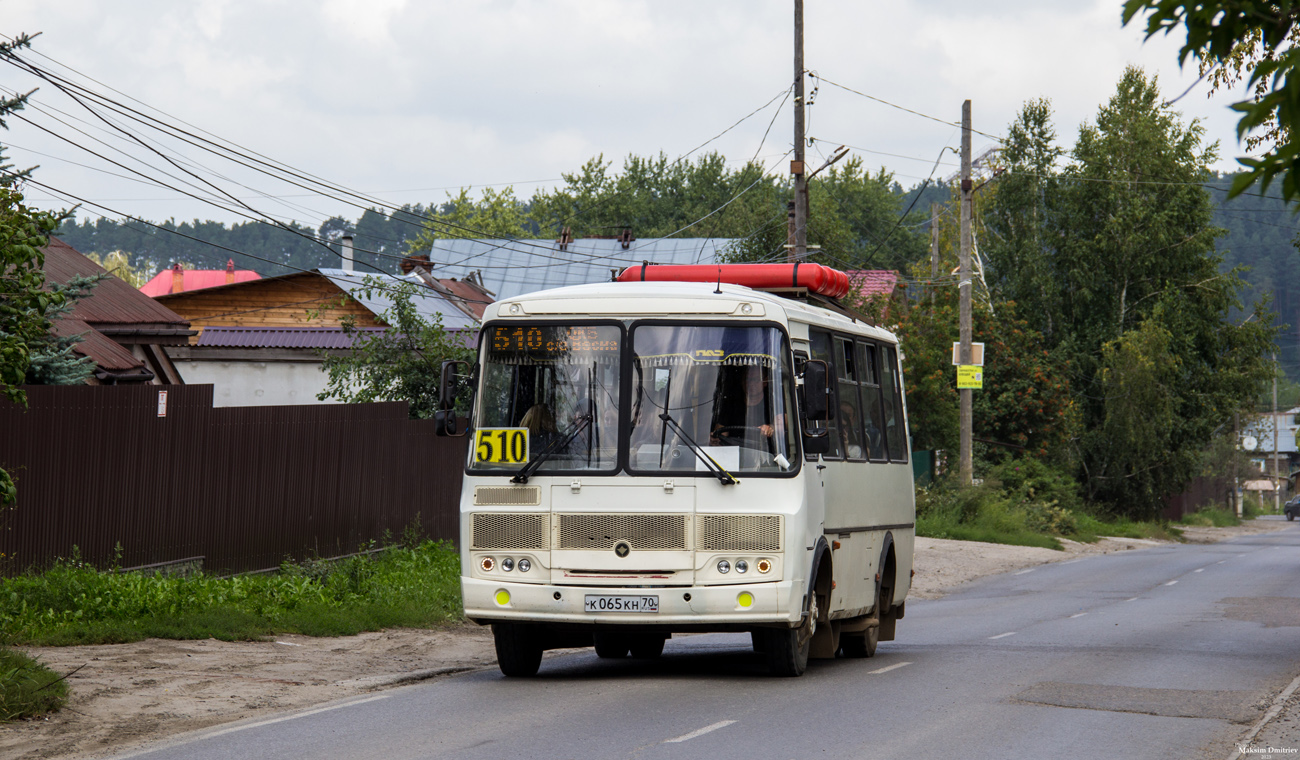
[[72, 603], [28, 688]]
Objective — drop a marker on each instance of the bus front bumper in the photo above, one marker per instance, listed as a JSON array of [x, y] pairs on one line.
[[778, 602]]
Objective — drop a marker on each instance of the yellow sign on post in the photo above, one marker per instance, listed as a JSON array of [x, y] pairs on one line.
[[970, 376]]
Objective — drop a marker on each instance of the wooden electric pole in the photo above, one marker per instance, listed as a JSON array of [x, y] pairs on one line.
[[966, 467], [797, 168], [934, 251], [1277, 484]]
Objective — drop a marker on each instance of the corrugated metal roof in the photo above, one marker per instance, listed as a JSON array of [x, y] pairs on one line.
[[281, 337], [427, 302], [514, 267], [104, 351], [195, 279], [873, 282], [113, 301]]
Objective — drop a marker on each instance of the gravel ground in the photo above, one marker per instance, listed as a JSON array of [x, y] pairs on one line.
[[125, 695]]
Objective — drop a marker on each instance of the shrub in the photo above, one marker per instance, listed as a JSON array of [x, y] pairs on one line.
[[28, 688]]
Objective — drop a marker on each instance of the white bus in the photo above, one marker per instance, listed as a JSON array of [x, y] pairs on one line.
[[656, 457]]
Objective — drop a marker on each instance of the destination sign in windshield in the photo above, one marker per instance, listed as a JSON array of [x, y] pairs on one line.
[[543, 343]]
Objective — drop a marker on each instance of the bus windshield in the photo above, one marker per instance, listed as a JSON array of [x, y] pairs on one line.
[[549, 392], [726, 391]]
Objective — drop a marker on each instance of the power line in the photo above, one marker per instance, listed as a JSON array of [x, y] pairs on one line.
[[904, 108]]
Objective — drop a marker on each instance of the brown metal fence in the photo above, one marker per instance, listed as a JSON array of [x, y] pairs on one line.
[[242, 487], [1201, 491]]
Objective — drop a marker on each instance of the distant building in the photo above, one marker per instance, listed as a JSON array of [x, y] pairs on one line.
[[123, 331], [179, 280], [510, 268], [259, 342]]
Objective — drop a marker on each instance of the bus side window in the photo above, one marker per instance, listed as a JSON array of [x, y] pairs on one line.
[[822, 347], [895, 430], [873, 414], [850, 406]]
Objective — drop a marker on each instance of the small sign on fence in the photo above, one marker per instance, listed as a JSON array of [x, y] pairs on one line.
[[162, 403]]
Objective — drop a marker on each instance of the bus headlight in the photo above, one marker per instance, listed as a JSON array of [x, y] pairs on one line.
[[724, 566], [508, 564], [742, 566], [525, 565]]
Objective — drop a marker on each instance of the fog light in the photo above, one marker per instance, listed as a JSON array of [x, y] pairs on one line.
[[525, 565], [724, 566], [745, 599], [764, 565], [508, 564], [488, 564], [503, 597], [742, 566]]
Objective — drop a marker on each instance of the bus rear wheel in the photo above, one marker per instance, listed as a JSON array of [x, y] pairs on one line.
[[647, 646], [519, 649]]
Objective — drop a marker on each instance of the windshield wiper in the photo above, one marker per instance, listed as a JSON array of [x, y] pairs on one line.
[[556, 445], [710, 463]]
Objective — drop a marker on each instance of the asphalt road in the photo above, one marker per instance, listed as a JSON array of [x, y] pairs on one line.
[[1168, 652]]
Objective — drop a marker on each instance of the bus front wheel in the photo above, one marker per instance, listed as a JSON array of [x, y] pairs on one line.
[[519, 649], [787, 648]]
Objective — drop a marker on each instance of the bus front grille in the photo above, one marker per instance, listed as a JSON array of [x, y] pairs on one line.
[[739, 533], [507, 496], [505, 531], [638, 531]]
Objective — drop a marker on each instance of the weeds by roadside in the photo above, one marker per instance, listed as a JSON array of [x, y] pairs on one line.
[[1023, 502], [417, 585], [28, 688]]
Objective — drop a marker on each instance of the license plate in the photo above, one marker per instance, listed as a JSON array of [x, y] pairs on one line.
[[602, 603]]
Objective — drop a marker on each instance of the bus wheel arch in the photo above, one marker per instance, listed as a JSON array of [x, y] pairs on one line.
[[886, 584]]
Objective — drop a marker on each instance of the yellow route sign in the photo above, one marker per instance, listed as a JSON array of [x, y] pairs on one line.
[[501, 445], [970, 376]]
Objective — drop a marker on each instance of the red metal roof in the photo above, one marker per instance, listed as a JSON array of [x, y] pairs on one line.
[[873, 282], [474, 298], [196, 279]]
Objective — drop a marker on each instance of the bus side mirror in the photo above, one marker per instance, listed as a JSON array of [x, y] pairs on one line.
[[816, 390], [816, 441], [451, 386]]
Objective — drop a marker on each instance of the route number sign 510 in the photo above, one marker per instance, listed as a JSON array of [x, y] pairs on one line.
[[501, 445]]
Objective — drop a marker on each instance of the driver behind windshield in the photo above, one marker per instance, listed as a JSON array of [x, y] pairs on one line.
[[743, 412]]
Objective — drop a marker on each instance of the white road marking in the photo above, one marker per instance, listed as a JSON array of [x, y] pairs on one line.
[[1170, 583], [895, 666], [1003, 635], [700, 732], [294, 716], [1072, 561], [288, 644], [1081, 614], [1220, 562], [1134, 599], [1199, 570], [1022, 572]]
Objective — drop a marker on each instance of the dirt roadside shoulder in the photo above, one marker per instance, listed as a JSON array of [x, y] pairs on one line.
[[126, 695]]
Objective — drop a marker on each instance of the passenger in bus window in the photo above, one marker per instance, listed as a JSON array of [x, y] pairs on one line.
[[849, 430]]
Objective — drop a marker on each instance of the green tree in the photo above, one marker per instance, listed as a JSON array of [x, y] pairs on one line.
[[1232, 36], [1134, 260], [24, 302], [402, 363]]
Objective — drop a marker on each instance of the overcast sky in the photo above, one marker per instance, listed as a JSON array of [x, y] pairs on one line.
[[408, 100]]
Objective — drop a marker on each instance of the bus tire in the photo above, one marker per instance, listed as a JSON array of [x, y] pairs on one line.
[[647, 646], [788, 648], [611, 645], [860, 644], [519, 649]]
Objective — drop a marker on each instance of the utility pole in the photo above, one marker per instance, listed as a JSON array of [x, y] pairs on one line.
[[797, 167], [966, 468], [1277, 485], [934, 251]]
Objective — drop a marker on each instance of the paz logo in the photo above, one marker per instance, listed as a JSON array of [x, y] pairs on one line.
[[622, 549]]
